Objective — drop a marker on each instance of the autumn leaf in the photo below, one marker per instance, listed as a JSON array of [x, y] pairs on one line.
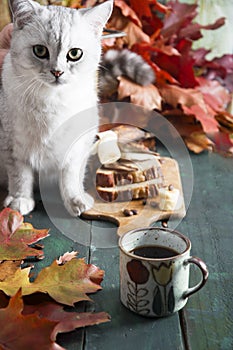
[[124, 19], [68, 283], [141, 7], [20, 332], [198, 141], [127, 12], [145, 96], [8, 268], [66, 321], [15, 236]]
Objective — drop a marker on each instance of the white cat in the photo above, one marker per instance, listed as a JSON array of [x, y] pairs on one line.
[[48, 76]]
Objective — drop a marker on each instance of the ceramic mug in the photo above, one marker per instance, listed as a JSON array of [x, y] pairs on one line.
[[154, 271]]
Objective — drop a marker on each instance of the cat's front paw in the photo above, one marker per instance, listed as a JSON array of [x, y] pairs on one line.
[[22, 204], [78, 204]]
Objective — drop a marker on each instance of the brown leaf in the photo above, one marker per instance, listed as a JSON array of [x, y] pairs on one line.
[[133, 30], [66, 321], [15, 236], [198, 142], [20, 332], [225, 119], [144, 96]]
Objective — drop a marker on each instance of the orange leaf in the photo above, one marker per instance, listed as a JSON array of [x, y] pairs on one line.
[[145, 96]]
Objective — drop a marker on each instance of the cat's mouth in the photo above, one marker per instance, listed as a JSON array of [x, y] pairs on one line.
[[57, 82]]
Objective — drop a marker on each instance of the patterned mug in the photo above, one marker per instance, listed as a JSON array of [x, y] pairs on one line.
[[154, 271]]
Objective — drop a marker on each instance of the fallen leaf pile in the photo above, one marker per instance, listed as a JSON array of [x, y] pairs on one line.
[[66, 281], [193, 93]]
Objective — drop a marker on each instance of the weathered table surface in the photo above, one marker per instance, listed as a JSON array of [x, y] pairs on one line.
[[207, 320]]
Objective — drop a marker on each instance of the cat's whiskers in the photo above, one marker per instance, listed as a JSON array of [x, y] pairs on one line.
[[28, 91]]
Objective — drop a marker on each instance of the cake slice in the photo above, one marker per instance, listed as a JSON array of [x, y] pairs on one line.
[[127, 179]]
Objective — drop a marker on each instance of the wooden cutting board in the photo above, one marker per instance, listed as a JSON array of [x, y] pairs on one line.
[[147, 214]]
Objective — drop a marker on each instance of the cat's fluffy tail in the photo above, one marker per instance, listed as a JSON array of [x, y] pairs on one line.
[[117, 63]]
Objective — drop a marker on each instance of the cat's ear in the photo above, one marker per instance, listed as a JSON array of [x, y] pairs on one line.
[[22, 11], [99, 15]]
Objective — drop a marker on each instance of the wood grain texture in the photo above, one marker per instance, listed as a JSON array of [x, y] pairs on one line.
[[209, 225], [147, 214], [126, 330], [208, 314]]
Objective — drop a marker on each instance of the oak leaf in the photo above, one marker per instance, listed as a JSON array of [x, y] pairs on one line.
[[20, 332], [141, 7], [127, 11], [16, 236], [67, 284], [198, 141], [145, 96], [192, 103], [66, 321]]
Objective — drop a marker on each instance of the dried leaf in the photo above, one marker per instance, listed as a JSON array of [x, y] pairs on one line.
[[214, 94], [192, 103], [141, 7], [67, 283], [225, 119], [145, 96], [66, 321], [66, 257], [15, 236], [20, 332], [132, 28], [8, 268], [198, 142], [223, 143], [128, 12]]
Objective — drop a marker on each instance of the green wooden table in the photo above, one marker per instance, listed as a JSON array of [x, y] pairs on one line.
[[207, 321]]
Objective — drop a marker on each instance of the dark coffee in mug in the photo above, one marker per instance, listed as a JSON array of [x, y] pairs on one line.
[[154, 271], [154, 252]]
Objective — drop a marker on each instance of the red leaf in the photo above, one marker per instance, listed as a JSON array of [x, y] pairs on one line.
[[128, 12], [10, 221], [15, 236], [20, 332], [66, 321], [208, 122], [181, 16], [223, 142], [141, 7], [214, 94], [179, 66]]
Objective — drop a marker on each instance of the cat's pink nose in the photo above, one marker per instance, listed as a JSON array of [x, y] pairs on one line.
[[56, 73]]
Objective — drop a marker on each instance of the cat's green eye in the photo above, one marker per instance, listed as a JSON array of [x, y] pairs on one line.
[[41, 51], [74, 54]]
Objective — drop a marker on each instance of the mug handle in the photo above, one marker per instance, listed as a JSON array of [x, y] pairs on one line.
[[202, 266]]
